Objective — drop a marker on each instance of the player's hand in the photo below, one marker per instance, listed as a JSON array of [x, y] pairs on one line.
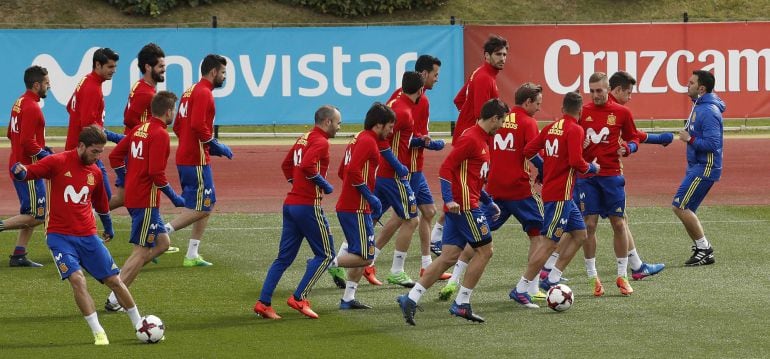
[[18, 171], [666, 138], [586, 142], [593, 167], [623, 150], [43, 154], [684, 135], [454, 207], [49, 149], [120, 177], [108, 233], [176, 199], [376, 205], [495, 210], [219, 149], [436, 145], [426, 140]]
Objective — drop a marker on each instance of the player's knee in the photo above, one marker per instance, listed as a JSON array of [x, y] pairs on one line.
[[427, 212], [113, 282]]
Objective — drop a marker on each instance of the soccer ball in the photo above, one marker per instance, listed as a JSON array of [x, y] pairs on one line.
[[560, 298], [150, 329]]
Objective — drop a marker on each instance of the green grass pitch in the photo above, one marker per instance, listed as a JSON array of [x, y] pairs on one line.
[[713, 311]]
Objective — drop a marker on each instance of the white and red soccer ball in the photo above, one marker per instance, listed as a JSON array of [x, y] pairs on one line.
[[560, 298], [150, 329]]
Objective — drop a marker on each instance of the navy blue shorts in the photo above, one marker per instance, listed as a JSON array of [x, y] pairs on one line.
[[561, 217], [528, 211], [197, 187], [73, 252], [468, 227], [146, 226], [31, 194], [359, 233], [691, 192], [397, 194], [420, 188], [602, 195]]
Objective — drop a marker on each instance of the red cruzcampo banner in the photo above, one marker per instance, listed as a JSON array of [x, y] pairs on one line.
[[660, 56]]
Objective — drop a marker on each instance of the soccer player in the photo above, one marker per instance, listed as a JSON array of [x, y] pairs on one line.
[[86, 106], [147, 149], [610, 133], [621, 86], [392, 185], [509, 182], [152, 65], [703, 134], [194, 127], [462, 176], [357, 204], [26, 130], [305, 167], [562, 141], [71, 231], [480, 87]]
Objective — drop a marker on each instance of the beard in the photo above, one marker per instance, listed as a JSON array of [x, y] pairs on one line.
[[158, 77], [217, 83]]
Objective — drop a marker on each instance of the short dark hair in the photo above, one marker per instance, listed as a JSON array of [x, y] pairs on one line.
[[379, 114], [149, 55], [622, 79], [211, 62], [426, 62], [705, 79], [572, 103], [494, 43], [494, 107], [103, 56], [411, 82], [526, 91], [34, 74], [162, 102], [324, 112], [92, 135]]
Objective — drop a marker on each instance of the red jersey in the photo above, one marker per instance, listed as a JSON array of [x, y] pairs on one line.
[[398, 141], [147, 149], [138, 106], [508, 168], [605, 126], [86, 108], [642, 136], [563, 144], [26, 129], [73, 189], [421, 116], [308, 158], [194, 124], [480, 88], [362, 156], [466, 167]]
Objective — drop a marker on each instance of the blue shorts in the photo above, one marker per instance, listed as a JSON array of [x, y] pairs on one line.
[[691, 192], [420, 188], [397, 194], [146, 226], [73, 252], [561, 217], [528, 211], [197, 187], [359, 233], [468, 227], [602, 195], [105, 179], [30, 192]]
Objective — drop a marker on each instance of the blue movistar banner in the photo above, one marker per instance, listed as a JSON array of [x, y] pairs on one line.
[[278, 75]]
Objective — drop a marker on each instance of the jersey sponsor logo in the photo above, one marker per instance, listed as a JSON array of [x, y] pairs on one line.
[[595, 138], [137, 149], [552, 148], [501, 143], [79, 197], [183, 109], [484, 170], [14, 124], [297, 156]]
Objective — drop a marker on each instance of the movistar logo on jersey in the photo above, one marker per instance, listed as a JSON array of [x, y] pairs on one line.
[[597, 137], [79, 197]]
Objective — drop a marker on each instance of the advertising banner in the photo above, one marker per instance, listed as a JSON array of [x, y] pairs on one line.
[[661, 57], [275, 75]]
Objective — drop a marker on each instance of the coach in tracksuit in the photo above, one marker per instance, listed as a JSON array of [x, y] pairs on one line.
[[703, 134]]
